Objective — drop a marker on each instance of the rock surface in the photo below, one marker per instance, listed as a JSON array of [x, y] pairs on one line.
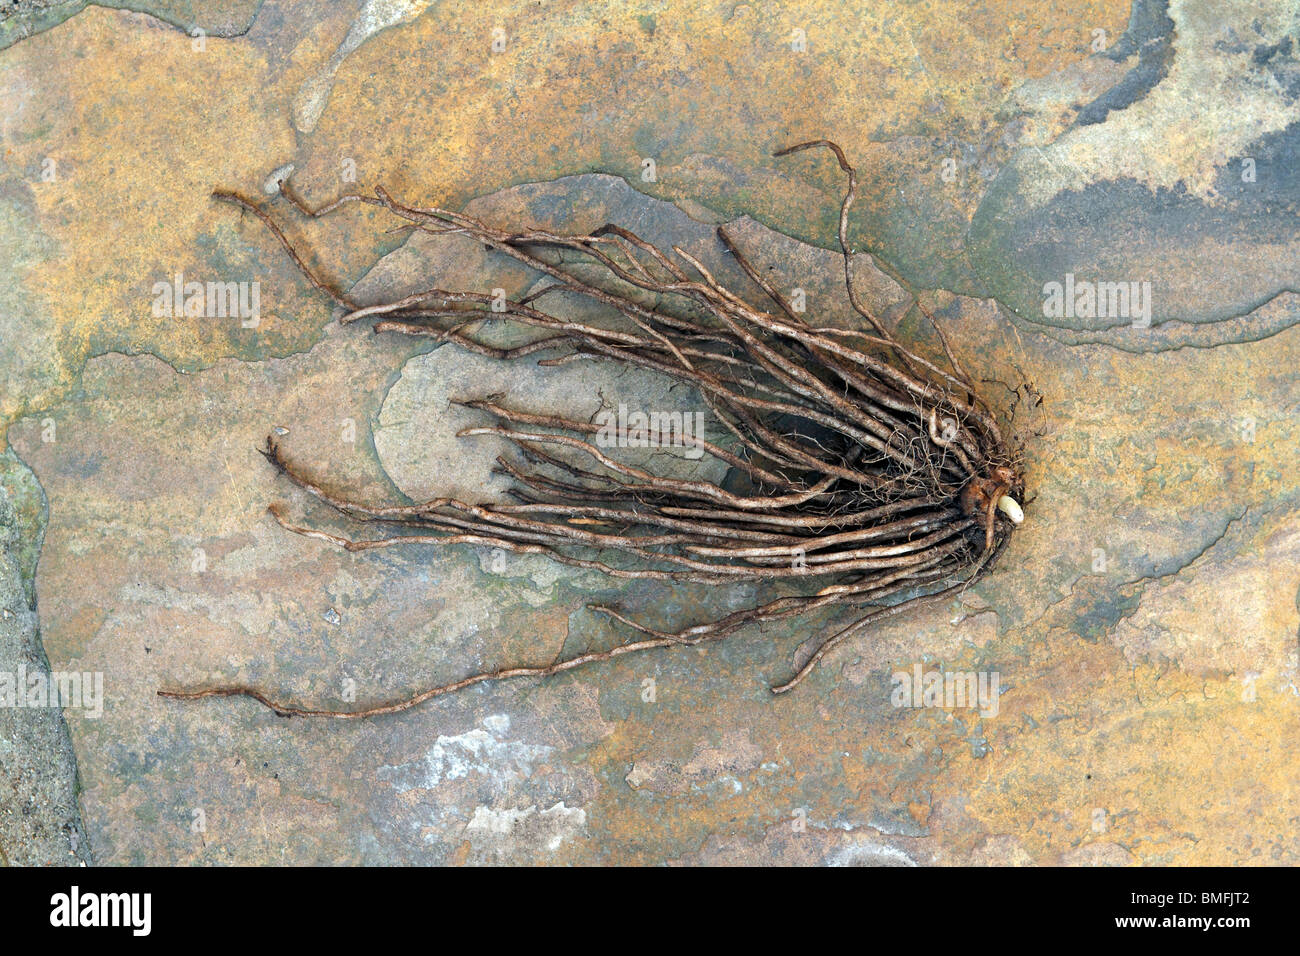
[[1144, 623], [40, 822]]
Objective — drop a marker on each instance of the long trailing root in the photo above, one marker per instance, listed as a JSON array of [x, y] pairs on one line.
[[862, 468]]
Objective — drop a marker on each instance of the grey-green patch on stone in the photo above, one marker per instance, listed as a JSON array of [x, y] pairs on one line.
[[40, 824], [21, 19]]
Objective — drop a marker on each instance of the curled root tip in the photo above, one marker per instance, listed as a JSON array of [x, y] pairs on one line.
[[1011, 508]]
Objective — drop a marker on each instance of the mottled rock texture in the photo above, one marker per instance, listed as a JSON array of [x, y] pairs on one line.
[[39, 818], [1144, 622]]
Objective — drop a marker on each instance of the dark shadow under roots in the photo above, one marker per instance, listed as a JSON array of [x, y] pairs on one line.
[[863, 472]]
